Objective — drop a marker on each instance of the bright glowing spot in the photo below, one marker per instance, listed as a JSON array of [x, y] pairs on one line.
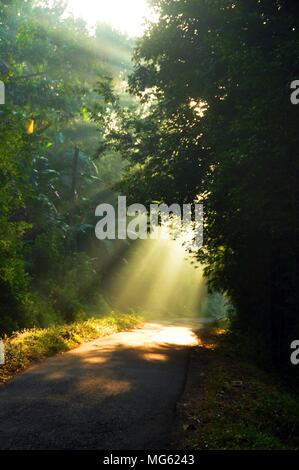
[[176, 335], [126, 15], [221, 331], [199, 107]]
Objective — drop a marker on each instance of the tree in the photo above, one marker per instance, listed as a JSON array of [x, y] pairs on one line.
[[218, 125], [51, 66]]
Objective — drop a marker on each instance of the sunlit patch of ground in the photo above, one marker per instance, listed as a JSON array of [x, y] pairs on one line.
[[152, 342], [27, 347], [177, 335], [154, 356], [153, 334]]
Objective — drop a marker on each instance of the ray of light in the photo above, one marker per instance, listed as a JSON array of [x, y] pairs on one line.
[[159, 279]]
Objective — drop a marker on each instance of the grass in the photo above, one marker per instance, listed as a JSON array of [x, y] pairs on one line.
[[26, 347], [231, 404]]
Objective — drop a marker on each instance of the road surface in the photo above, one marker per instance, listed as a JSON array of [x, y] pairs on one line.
[[113, 393]]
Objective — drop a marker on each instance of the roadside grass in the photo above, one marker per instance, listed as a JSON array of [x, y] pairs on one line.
[[26, 347], [232, 404]]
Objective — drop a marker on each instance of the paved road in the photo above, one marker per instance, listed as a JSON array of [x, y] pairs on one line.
[[118, 392]]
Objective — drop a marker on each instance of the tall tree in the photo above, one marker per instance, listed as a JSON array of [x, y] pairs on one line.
[[218, 125]]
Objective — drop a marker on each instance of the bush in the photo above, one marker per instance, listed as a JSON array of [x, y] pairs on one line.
[[28, 346]]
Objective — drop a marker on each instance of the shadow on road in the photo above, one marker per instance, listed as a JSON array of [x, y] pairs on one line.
[[114, 393]]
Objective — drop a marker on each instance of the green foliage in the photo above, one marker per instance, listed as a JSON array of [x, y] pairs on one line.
[[235, 405], [26, 347], [51, 67], [216, 306], [217, 126]]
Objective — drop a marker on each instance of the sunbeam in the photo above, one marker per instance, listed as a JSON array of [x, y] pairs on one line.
[[159, 280]]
